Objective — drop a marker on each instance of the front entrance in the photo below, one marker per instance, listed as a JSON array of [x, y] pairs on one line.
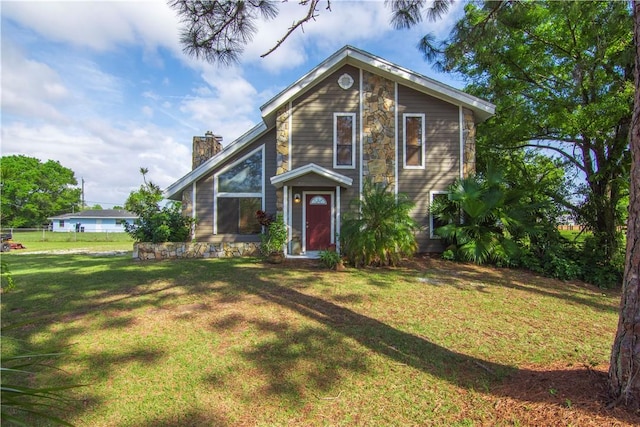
[[318, 221]]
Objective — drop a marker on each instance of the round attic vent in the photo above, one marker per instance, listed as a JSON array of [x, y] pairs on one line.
[[345, 81]]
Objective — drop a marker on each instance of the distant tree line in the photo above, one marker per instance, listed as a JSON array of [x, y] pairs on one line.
[[32, 191]]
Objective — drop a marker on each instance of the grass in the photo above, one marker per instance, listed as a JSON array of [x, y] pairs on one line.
[[239, 342], [36, 241]]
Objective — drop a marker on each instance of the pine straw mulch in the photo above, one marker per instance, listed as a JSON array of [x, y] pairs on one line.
[[558, 396]]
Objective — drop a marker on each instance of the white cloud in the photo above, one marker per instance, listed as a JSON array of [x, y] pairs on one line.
[[108, 158], [70, 92], [100, 26], [31, 87]]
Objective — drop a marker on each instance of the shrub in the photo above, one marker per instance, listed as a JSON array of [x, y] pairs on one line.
[[165, 224], [275, 238], [156, 224], [381, 232], [601, 266], [330, 258], [484, 219]]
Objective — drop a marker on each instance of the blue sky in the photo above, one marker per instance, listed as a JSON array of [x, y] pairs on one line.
[[104, 87]]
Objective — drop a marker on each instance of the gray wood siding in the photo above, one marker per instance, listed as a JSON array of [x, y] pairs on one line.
[[312, 124], [442, 158], [204, 207], [204, 192]]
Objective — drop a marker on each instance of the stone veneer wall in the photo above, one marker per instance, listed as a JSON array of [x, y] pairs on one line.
[[282, 150], [379, 128], [144, 251], [187, 202], [469, 134], [204, 148]]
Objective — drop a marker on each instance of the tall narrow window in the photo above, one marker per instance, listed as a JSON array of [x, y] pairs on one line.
[[344, 140], [413, 141], [239, 194]]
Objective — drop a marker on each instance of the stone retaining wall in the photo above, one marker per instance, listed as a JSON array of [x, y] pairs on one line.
[[172, 250]]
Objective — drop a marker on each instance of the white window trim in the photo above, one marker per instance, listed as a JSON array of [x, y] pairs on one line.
[[404, 140], [335, 141], [432, 194], [217, 194]]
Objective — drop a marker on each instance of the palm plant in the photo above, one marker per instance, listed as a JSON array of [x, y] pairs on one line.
[[485, 218], [379, 231], [17, 401], [22, 403]]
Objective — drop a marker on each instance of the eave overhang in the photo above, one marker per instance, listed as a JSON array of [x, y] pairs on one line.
[[349, 55], [280, 180]]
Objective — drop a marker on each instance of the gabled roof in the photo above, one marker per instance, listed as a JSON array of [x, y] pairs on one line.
[[361, 59], [279, 180], [98, 214], [347, 55]]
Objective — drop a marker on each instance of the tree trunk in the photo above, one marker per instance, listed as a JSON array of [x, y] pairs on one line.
[[624, 371]]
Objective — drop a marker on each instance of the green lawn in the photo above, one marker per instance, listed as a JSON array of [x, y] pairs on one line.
[[36, 241], [239, 342]]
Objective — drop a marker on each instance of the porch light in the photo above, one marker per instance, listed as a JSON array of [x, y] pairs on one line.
[[296, 198]]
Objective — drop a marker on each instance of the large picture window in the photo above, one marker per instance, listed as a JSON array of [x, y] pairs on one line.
[[413, 141], [344, 140], [239, 194]]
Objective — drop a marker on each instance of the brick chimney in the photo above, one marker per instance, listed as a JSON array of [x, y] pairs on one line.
[[205, 147]]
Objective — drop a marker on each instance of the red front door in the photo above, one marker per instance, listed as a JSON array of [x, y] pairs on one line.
[[318, 217]]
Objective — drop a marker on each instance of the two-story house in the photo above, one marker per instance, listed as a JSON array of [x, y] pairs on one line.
[[354, 117]]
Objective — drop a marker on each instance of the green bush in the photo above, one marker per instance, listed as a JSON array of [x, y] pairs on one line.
[[382, 231], [330, 258], [485, 219], [275, 238], [560, 258], [159, 225], [156, 224], [595, 267]]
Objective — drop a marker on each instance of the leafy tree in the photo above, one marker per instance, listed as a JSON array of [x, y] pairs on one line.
[[560, 74], [156, 224], [32, 191], [624, 367], [379, 231]]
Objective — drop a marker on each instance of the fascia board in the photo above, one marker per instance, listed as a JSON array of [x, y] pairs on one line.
[[298, 87], [177, 187], [279, 180], [377, 65]]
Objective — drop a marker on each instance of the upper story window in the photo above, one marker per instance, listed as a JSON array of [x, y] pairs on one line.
[[239, 191], [414, 151], [243, 177], [344, 140]]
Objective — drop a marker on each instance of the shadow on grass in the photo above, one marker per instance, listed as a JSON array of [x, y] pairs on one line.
[[470, 276], [85, 285], [190, 419], [402, 347]]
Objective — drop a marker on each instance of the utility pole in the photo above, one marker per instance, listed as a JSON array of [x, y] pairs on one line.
[[82, 194]]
